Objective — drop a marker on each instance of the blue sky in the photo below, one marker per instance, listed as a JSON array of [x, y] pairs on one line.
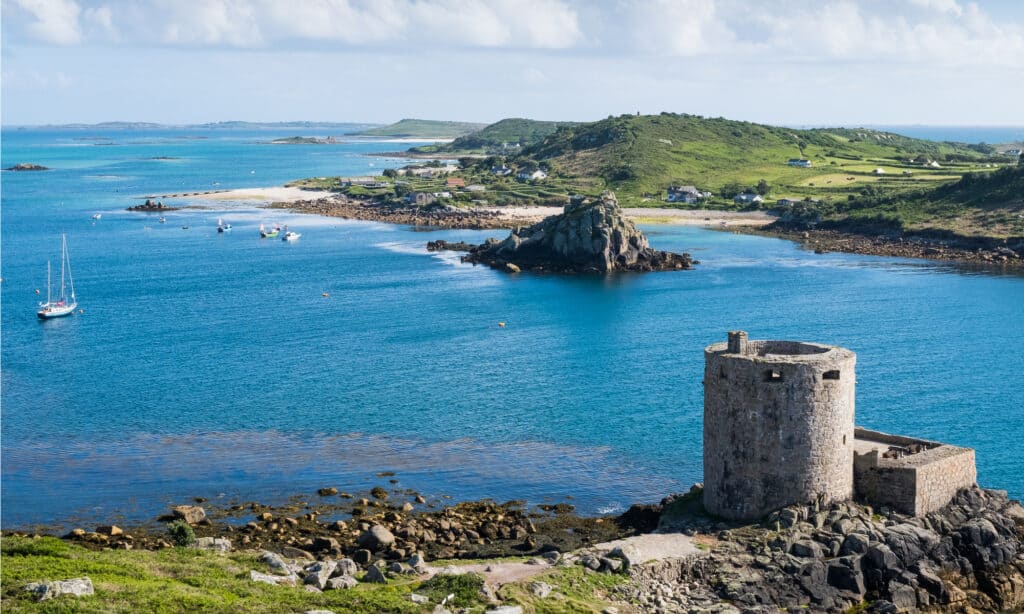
[[795, 62]]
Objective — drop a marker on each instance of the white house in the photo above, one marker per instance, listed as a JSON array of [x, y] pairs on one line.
[[799, 162], [531, 175], [747, 198], [879, 171], [501, 171], [685, 194]]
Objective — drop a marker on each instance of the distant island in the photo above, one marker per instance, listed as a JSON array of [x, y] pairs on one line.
[[833, 189], [423, 128], [305, 140], [340, 127], [27, 167]]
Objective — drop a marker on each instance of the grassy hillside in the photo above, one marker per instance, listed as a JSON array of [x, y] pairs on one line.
[[988, 204], [425, 128], [507, 132], [638, 155]]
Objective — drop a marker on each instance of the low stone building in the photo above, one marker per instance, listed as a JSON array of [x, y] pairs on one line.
[[779, 430], [913, 476]]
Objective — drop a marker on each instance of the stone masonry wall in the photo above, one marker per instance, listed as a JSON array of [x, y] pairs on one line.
[[778, 426], [916, 484]]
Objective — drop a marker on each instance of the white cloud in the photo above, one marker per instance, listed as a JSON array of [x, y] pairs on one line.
[[674, 27], [53, 21], [943, 6], [211, 22], [847, 31]]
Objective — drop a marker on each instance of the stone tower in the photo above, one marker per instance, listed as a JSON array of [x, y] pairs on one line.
[[778, 425]]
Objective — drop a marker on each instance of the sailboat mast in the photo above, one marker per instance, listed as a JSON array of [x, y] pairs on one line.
[[63, 257], [48, 282], [71, 279]]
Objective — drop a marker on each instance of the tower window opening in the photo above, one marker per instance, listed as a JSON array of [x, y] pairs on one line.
[[834, 374], [721, 373], [772, 375]]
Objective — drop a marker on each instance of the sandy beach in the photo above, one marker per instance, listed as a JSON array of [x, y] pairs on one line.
[[270, 195], [645, 215]]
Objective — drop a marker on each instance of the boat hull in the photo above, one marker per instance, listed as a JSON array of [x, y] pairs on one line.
[[49, 312]]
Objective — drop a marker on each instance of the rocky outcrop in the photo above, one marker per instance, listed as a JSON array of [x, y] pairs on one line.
[[441, 245], [26, 167], [590, 236], [969, 554], [151, 205]]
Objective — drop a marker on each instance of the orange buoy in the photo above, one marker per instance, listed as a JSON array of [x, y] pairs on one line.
[[501, 324]]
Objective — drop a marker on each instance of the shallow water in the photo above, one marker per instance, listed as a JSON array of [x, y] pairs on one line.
[[211, 365]]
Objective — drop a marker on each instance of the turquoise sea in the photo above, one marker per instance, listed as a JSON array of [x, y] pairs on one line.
[[211, 365]]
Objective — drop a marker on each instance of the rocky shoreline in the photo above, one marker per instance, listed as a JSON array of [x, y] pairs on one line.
[[453, 218], [966, 557], [1008, 257], [332, 522], [821, 241]]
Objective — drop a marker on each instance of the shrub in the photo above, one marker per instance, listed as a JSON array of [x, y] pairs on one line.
[[181, 533], [466, 589]]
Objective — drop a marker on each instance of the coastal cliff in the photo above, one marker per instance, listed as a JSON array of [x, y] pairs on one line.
[[590, 236]]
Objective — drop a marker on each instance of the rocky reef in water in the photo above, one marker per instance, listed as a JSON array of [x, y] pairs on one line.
[[590, 236], [23, 166], [151, 205]]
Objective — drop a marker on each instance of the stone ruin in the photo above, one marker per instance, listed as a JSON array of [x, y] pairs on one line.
[[779, 430]]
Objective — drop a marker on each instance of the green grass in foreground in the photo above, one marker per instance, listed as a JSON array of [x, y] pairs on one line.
[[174, 580], [189, 580], [577, 591]]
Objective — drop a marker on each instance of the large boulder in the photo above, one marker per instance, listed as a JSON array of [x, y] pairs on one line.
[[48, 590], [590, 236], [376, 538], [192, 514]]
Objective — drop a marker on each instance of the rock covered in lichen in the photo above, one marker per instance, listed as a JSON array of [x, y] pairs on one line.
[[590, 236]]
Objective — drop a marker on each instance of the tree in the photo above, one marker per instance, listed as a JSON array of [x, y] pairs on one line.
[[763, 188], [390, 173], [401, 189]]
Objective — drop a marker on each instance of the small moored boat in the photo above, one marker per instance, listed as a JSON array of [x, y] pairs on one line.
[[269, 234], [221, 226], [97, 216], [289, 235]]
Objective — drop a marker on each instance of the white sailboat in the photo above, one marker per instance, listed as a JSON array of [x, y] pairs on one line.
[[64, 305]]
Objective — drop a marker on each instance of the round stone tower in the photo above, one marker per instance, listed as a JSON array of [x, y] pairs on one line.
[[778, 425]]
